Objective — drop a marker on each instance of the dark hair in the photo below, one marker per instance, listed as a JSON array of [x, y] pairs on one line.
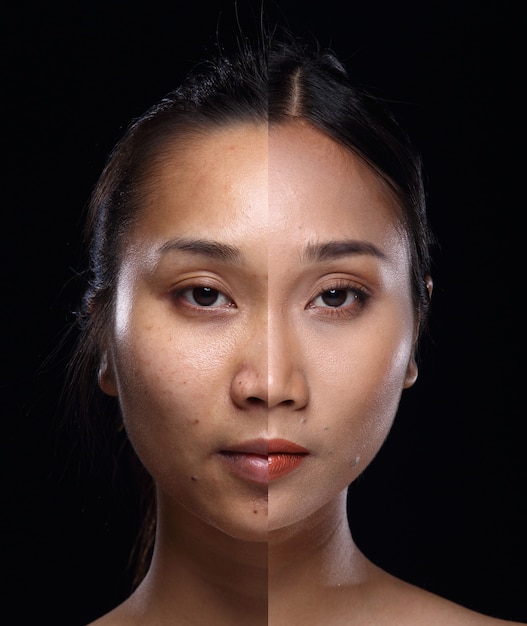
[[270, 83]]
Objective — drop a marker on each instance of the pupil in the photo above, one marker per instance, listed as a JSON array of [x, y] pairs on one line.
[[205, 296], [335, 297]]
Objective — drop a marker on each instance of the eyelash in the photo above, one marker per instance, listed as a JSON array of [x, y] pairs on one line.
[[360, 297]]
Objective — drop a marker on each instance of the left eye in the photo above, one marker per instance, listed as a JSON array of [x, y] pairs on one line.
[[204, 297], [336, 298]]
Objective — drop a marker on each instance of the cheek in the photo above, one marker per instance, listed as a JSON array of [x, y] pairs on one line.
[[358, 388], [168, 361], [170, 381]]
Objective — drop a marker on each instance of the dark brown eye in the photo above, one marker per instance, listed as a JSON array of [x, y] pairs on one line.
[[336, 297], [205, 296]]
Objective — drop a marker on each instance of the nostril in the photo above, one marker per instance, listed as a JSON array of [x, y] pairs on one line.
[[254, 400]]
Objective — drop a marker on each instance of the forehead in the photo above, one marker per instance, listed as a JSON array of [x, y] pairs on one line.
[[209, 180], [249, 181], [323, 187]]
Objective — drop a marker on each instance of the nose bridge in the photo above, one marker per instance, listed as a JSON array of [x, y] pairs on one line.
[[286, 380], [249, 387], [269, 366]]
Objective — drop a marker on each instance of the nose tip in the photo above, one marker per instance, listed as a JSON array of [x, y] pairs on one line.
[[287, 387], [249, 388]]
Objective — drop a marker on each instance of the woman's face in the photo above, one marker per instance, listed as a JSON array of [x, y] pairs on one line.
[[263, 295]]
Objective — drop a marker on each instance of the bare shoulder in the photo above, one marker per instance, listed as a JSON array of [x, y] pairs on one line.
[[409, 605]]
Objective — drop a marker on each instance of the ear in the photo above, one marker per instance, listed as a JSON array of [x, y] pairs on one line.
[[429, 285], [106, 375], [412, 370]]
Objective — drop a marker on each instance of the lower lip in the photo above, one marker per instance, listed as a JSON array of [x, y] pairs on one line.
[[252, 467], [283, 463]]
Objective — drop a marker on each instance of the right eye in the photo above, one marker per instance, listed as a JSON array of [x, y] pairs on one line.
[[204, 297]]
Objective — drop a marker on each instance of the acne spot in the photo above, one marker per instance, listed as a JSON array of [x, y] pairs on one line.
[[255, 512], [326, 427], [303, 420], [196, 422], [193, 478]]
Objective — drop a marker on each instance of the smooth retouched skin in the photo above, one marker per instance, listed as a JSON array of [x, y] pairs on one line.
[[304, 341]]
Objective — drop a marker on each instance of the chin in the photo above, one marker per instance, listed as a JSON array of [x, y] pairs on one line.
[[252, 528], [247, 523]]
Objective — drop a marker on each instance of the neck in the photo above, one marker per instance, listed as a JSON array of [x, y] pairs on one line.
[[201, 575], [320, 547], [199, 570], [312, 561]]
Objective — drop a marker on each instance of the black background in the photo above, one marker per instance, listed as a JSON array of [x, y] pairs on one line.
[[443, 504]]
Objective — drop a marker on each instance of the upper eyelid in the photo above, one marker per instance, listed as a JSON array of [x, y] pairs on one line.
[[360, 294], [344, 284]]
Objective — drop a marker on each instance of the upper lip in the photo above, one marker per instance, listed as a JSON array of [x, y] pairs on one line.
[[264, 447], [275, 446]]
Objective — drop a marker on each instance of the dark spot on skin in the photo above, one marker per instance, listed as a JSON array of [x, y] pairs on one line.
[[196, 421], [194, 478], [326, 427], [255, 512]]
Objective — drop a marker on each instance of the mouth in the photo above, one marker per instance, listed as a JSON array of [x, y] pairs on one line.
[[263, 460], [283, 457]]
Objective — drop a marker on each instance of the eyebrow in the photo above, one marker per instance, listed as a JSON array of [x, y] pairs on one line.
[[327, 251], [203, 247]]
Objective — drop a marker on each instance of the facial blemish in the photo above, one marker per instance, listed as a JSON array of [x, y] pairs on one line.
[[195, 422], [255, 512], [326, 427], [193, 478], [303, 420]]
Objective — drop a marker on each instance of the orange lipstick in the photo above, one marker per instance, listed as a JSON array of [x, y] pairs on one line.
[[283, 457]]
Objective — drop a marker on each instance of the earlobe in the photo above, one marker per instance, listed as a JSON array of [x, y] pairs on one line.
[[411, 373], [106, 375]]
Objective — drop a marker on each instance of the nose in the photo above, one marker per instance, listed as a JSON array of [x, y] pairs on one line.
[[249, 387], [249, 383], [270, 371], [287, 384]]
